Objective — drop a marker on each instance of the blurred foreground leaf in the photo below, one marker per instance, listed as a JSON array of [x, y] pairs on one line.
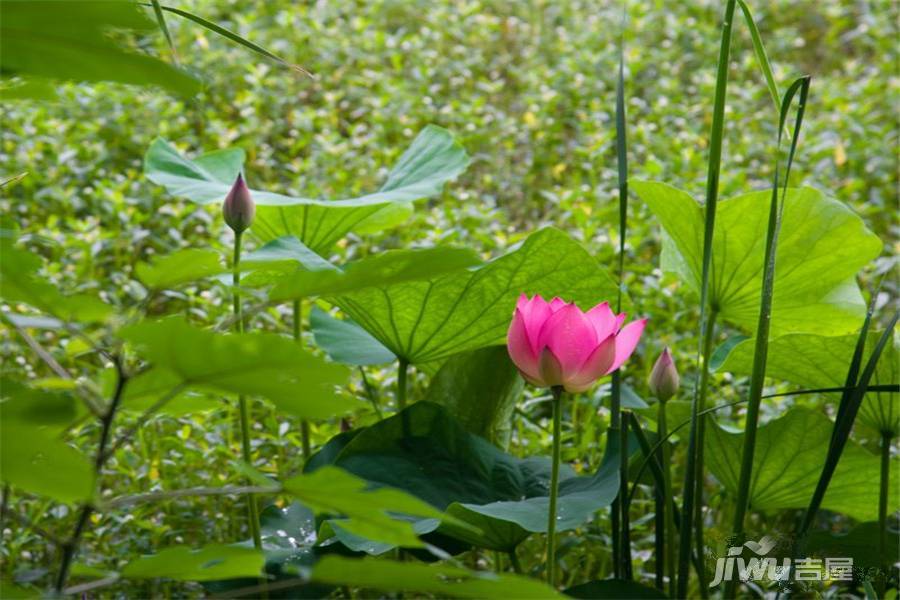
[[370, 511], [440, 580], [20, 282], [69, 40], [208, 563], [254, 364], [180, 267]]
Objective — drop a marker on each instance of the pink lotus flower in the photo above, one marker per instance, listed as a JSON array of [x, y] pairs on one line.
[[555, 343]]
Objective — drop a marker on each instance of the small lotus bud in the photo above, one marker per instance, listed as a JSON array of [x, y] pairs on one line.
[[664, 378], [238, 207]]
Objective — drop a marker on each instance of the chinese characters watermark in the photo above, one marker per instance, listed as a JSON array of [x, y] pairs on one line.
[[761, 568]]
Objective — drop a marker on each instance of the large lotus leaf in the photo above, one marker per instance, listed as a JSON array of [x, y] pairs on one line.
[[428, 453], [790, 454], [815, 362], [433, 159], [257, 364], [386, 268], [480, 388], [430, 320], [346, 342], [441, 580], [821, 247]]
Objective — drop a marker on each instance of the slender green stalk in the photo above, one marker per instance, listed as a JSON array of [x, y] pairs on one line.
[[402, 372], [701, 436], [514, 561], [370, 393], [668, 518], [712, 193], [615, 423], [243, 407], [298, 337], [760, 356], [659, 539], [886, 438], [554, 485]]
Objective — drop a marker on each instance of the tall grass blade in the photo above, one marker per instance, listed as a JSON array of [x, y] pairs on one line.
[[707, 321], [842, 429], [227, 33], [161, 20], [757, 378], [619, 510], [855, 363], [760, 51], [887, 387]]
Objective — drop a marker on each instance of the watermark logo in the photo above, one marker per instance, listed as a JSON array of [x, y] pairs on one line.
[[761, 567]]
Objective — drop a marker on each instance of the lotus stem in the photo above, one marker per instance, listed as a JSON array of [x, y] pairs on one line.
[[554, 485], [298, 337], [671, 536], [615, 421], [402, 372], [243, 408]]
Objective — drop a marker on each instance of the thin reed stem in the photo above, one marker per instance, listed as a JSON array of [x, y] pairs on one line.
[[70, 547]]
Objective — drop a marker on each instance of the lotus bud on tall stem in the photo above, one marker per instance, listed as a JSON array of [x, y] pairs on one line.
[[664, 383], [238, 210]]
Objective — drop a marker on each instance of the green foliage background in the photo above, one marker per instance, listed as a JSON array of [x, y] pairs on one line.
[[528, 89]]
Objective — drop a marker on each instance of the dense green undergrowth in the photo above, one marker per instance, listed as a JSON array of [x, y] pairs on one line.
[[528, 90]]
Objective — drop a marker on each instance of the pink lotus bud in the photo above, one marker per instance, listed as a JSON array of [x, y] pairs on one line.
[[555, 343], [238, 207], [664, 378]]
